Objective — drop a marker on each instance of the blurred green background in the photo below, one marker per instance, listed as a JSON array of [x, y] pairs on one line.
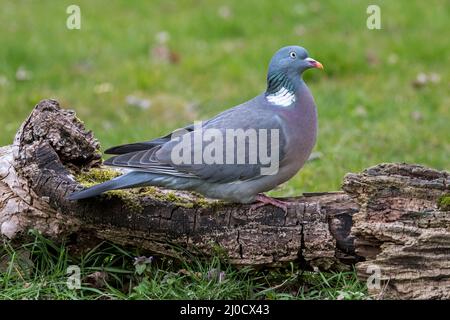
[[138, 69]]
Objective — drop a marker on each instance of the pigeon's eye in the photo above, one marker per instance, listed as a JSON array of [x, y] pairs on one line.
[[293, 55]]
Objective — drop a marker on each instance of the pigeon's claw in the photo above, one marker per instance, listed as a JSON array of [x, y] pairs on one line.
[[265, 200]]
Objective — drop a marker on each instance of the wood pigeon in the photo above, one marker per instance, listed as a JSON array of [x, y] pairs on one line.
[[286, 111]]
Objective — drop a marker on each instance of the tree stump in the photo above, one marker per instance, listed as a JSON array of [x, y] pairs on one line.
[[387, 218]]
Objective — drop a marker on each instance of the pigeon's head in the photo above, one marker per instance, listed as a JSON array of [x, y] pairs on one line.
[[292, 60]]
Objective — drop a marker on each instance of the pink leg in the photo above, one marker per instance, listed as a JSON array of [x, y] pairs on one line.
[[265, 200]]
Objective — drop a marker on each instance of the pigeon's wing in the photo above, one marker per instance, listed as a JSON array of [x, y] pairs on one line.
[[160, 159], [245, 118], [145, 145], [145, 160]]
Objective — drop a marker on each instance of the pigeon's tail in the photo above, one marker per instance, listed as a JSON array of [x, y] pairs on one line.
[[129, 180]]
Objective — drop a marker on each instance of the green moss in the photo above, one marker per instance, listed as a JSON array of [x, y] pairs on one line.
[[130, 199], [208, 203], [149, 191], [187, 205], [169, 196], [96, 176], [180, 199], [172, 197], [444, 202], [201, 201]]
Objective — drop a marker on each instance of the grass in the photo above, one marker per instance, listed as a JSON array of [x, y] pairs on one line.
[[39, 270], [369, 109]]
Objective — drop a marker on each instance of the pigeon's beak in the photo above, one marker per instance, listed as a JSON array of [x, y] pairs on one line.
[[314, 64]]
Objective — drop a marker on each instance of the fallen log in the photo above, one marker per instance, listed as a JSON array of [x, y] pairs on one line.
[[387, 216]]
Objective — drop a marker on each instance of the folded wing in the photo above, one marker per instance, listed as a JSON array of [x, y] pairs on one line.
[[156, 156]]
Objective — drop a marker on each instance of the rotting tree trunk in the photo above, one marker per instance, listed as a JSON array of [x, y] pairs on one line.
[[401, 231], [388, 213]]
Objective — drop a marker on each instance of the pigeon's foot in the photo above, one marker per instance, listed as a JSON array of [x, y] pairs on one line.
[[265, 200]]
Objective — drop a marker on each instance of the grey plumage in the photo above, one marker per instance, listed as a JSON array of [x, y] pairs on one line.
[[287, 105]]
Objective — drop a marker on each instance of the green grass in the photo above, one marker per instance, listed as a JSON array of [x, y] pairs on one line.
[[38, 270], [369, 111]]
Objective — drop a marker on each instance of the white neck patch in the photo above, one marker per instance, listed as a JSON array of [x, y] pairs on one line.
[[282, 97]]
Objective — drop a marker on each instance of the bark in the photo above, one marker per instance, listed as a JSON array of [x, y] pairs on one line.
[[401, 231], [387, 218]]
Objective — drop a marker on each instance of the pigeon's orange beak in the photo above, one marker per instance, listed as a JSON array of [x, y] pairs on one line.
[[314, 63]]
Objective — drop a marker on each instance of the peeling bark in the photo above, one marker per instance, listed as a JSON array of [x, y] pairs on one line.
[[400, 230], [387, 215]]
